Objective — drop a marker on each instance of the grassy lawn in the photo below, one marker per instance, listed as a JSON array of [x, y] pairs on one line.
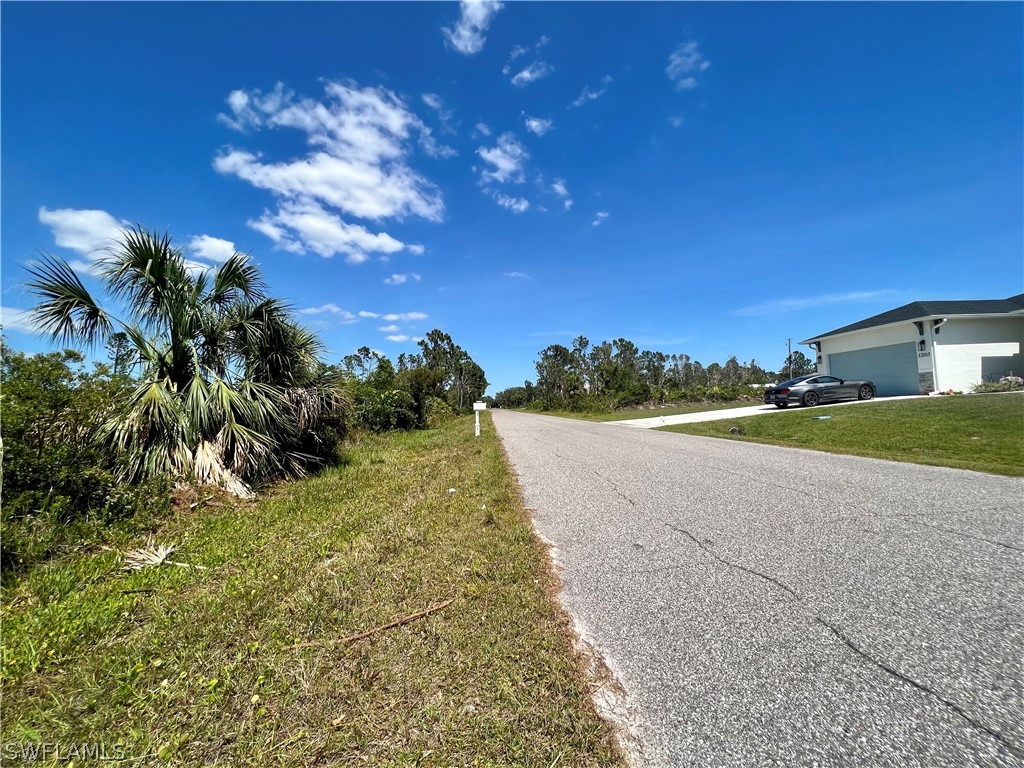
[[239, 663], [649, 413], [980, 432]]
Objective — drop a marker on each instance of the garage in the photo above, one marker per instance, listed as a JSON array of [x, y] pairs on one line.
[[893, 368]]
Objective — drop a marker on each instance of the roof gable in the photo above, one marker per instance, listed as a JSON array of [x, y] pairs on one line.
[[918, 309]]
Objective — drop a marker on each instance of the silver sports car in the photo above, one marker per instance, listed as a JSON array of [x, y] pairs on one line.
[[814, 389]]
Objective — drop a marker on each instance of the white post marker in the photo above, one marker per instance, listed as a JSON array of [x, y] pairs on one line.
[[478, 406]]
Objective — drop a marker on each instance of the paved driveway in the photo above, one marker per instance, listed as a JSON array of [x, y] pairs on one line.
[[735, 413], [774, 606]]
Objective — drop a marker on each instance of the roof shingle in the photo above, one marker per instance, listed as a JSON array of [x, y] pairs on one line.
[[918, 309]]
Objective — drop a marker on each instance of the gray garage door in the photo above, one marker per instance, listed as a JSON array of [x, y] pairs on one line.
[[892, 368]]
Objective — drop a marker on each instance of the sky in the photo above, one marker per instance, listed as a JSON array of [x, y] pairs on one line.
[[709, 179]]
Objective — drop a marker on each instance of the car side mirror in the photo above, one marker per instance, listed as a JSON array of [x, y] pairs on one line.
[[842, 381]]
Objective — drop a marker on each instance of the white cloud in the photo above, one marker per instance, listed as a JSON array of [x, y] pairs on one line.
[[12, 319], [482, 128], [519, 275], [212, 249], [304, 225], [538, 125], [507, 159], [588, 95], [685, 62], [467, 36], [601, 216], [330, 309], [535, 71], [522, 50], [444, 114], [433, 148], [676, 121], [402, 279], [86, 232], [359, 140], [780, 306], [392, 317], [514, 204], [389, 328], [562, 191], [397, 337]]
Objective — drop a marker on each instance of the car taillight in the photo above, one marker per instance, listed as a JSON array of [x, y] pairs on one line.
[[784, 391]]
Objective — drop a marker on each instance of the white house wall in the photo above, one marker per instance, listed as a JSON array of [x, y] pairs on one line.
[[967, 351]]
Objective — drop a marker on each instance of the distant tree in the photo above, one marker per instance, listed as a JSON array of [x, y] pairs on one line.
[[554, 374], [462, 379], [362, 363], [756, 374], [121, 353], [732, 374], [581, 361], [654, 369], [714, 374], [802, 366]]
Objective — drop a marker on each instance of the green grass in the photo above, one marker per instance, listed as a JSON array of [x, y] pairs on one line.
[[980, 432], [649, 413], [198, 666]]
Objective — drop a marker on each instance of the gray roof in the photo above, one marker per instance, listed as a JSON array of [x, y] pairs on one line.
[[918, 309]]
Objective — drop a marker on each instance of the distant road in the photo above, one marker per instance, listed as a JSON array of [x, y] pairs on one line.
[[775, 606]]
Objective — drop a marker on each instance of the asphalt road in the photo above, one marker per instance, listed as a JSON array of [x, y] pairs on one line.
[[767, 606]]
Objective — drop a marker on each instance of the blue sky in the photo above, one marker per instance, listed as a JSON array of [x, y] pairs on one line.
[[707, 179]]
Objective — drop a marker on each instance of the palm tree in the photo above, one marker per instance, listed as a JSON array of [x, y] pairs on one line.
[[232, 390]]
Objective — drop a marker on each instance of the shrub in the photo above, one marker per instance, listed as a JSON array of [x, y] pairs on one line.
[[60, 486], [438, 412], [1005, 384], [384, 410]]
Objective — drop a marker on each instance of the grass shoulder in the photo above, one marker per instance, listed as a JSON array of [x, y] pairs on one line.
[[651, 412], [979, 432], [239, 660]]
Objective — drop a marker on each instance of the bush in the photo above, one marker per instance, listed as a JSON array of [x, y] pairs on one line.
[[438, 412], [1005, 384], [60, 486], [385, 410]]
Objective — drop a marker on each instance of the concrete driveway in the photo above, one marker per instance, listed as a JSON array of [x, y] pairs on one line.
[[767, 606], [737, 413]]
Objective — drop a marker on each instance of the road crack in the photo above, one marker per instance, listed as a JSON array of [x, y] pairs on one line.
[[615, 487], [1013, 748], [737, 566], [849, 643]]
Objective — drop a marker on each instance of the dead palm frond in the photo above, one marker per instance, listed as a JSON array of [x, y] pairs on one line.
[[153, 555]]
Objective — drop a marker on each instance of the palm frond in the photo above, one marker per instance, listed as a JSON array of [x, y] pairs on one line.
[[68, 312], [148, 273], [237, 279]]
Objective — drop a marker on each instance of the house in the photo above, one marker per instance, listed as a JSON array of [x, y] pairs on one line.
[[928, 346]]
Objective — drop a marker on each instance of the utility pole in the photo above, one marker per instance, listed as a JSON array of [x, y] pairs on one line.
[[789, 356]]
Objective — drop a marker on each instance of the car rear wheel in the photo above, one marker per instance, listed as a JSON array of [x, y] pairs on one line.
[[811, 399], [781, 405], [866, 392]]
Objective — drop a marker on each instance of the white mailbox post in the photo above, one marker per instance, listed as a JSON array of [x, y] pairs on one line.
[[478, 406]]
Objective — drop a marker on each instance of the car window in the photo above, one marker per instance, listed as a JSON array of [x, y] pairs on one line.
[[811, 381], [827, 379]]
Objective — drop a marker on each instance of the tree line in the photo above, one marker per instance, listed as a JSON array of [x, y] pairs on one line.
[[617, 374]]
